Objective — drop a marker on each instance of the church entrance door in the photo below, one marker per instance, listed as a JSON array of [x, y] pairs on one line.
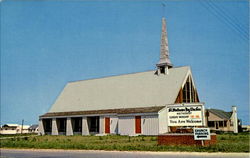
[[137, 124], [107, 125]]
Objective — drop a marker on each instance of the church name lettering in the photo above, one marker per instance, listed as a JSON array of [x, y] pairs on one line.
[[185, 109]]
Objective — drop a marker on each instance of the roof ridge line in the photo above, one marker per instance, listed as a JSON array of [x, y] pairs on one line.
[[120, 75]]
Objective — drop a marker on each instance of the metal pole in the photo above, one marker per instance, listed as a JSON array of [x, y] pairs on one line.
[[22, 127]]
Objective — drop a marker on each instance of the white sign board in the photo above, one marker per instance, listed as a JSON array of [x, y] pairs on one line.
[[187, 115], [202, 134]]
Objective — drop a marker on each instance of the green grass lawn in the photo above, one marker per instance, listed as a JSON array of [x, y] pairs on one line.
[[225, 143], [15, 135]]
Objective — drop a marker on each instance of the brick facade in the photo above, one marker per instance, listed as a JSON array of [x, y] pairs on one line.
[[183, 139]]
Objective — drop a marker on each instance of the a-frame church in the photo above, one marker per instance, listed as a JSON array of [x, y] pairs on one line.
[[129, 104]]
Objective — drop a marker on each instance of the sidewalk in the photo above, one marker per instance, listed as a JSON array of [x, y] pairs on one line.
[[138, 153]]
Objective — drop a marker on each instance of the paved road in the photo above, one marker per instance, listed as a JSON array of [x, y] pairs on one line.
[[23, 153]]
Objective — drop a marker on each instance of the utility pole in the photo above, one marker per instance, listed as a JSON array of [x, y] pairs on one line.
[[22, 126]]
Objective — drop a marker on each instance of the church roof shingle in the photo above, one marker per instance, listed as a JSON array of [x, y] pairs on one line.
[[137, 90]]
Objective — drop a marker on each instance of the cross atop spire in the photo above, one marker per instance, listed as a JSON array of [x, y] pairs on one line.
[[164, 61]]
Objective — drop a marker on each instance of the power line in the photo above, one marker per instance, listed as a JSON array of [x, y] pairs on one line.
[[228, 17], [231, 24], [224, 19], [232, 18]]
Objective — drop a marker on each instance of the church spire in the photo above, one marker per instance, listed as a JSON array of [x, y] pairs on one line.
[[164, 63]]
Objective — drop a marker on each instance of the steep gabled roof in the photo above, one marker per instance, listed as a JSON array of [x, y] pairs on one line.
[[220, 113], [136, 90]]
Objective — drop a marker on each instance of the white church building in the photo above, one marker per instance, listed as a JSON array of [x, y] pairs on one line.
[[143, 103]]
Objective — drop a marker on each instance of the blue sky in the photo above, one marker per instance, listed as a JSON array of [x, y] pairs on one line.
[[45, 44]]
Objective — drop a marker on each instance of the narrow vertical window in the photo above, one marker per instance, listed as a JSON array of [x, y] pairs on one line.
[[192, 92], [185, 93]]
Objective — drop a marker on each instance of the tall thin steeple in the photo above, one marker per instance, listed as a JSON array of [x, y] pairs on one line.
[[164, 63]]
